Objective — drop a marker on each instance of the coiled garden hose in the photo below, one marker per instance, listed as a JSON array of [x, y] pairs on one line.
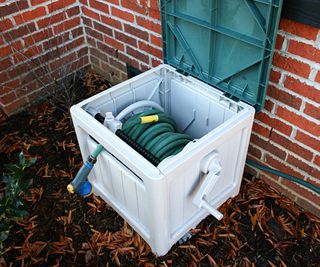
[[284, 175], [156, 132]]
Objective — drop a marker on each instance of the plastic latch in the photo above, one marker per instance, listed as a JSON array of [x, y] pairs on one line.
[[211, 167]]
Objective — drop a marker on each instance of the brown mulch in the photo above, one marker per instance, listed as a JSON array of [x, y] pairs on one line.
[[260, 227]]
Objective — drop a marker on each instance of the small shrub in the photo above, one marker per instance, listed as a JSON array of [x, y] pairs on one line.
[[15, 188]]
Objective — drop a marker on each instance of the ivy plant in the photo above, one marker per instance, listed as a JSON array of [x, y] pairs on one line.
[[16, 186]]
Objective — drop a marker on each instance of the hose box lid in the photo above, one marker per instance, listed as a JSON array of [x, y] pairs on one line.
[[226, 43]]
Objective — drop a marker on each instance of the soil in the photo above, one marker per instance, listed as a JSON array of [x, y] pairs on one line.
[[260, 226]]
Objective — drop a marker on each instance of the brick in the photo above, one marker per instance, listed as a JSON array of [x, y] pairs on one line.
[[128, 60], [107, 49], [30, 15], [62, 61], [299, 121], [303, 166], [9, 86], [19, 32], [99, 6], [5, 51], [284, 97], [94, 34], [37, 2], [5, 63], [259, 129], [268, 105], [53, 19], [308, 206], [318, 77], [18, 70], [71, 12], [279, 165], [268, 179], [3, 77], [99, 54], [5, 24], [37, 37], [266, 145], [77, 32], [111, 22], [308, 140], [122, 14], [279, 42], [291, 65], [256, 152], [136, 32], [87, 22], [119, 65], [289, 145], [16, 6], [5, 99], [155, 62], [299, 29], [102, 28], [75, 43], [302, 191], [27, 54], [144, 67], [317, 160], [312, 111], [56, 41], [90, 13], [304, 50], [274, 123], [140, 7], [149, 24], [126, 39], [60, 4], [112, 42], [155, 40], [137, 54], [82, 52], [151, 50], [67, 25], [302, 89], [275, 76], [15, 106]]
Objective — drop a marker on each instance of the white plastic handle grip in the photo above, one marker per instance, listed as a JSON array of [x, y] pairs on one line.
[[211, 167]]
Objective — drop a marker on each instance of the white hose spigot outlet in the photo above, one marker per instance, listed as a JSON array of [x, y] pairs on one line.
[[112, 123]]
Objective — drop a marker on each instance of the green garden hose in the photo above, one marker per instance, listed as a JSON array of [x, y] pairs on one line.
[[284, 175], [156, 132]]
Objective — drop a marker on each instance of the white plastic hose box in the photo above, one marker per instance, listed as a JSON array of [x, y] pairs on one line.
[[162, 203]]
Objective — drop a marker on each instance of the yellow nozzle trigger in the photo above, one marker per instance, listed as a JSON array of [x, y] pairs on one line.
[[70, 188], [149, 119]]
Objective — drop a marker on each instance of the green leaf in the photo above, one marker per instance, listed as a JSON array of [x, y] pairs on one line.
[[4, 235], [4, 226], [17, 213], [31, 162], [22, 159]]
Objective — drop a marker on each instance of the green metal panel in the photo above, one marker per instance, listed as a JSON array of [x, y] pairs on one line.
[[226, 43]]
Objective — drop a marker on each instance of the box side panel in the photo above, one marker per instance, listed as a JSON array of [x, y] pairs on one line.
[[185, 180], [120, 188]]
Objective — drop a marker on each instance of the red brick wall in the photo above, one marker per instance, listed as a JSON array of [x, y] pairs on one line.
[[120, 32], [42, 39], [286, 134]]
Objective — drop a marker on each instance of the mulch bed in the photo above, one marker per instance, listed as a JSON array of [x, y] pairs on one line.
[[260, 227]]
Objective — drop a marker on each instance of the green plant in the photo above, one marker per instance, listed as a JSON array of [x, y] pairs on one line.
[[11, 201]]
